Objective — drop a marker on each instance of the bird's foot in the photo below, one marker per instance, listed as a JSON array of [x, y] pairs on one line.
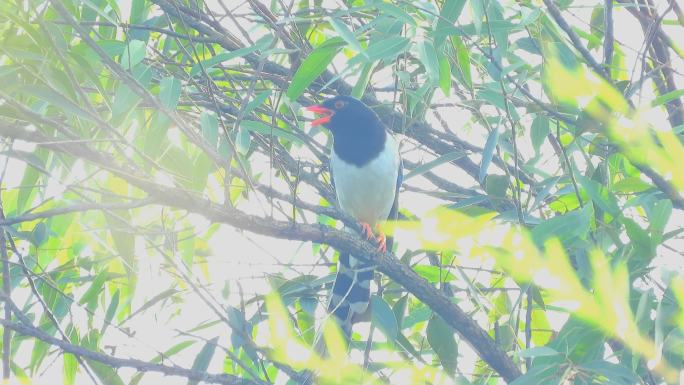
[[380, 239], [366, 230]]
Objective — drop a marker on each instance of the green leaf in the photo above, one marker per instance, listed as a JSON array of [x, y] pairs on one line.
[[640, 240], [100, 12], [599, 194], [243, 140], [495, 97], [440, 336], [408, 347], [173, 350], [258, 100], [265, 129], [546, 186], [394, 11], [566, 227], [105, 373], [444, 75], [209, 124], [614, 373], [361, 84], [157, 298], [477, 7], [90, 297], [659, 214], [539, 131], [385, 49], [579, 342], [383, 318], [313, 66], [38, 354], [225, 56], [203, 359], [125, 99], [488, 153], [345, 33], [428, 56], [662, 99], [497, 185], [630, 185], [399, 309], [165, 355], [537, 375], [434, 274], [57, 99], [417, 315], [69, 368], [451, 10], [169, 92], [133, 54], [423, 168], [39, 234], [463, 59], [26, 195], [138, 11], [124, 241], [111, 311], [538, 351], [596, 25]]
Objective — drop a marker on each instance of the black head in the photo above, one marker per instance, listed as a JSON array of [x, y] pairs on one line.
[[358, 134], [341, 112]]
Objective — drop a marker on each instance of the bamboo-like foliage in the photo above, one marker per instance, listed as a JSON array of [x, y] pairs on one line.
[[166, 209]]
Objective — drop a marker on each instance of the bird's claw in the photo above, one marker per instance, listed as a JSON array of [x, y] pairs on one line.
[[380, 239], [382, 242], [366, 230]]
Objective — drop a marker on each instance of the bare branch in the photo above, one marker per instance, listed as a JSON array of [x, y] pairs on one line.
[[563, 24], [116, 362], [609, 38], [78, 207]]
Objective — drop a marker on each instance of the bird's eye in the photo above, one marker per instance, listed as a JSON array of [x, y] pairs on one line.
[[339, 104]]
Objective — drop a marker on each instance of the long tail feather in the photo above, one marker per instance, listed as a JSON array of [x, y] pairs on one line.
[[351, 291]]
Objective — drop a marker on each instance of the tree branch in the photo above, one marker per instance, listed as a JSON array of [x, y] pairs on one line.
[[116, 362], [556, 14], [78, 207], [486, 347], [608, 38]]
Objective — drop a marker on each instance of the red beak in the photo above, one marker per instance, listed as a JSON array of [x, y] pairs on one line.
[[320, 110]]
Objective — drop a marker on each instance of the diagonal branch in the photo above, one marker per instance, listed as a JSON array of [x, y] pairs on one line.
[[116, 362], [79, 207], [388, 264], [563, 24]]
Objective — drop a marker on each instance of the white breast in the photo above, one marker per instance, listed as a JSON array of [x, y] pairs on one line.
[[367, 193]]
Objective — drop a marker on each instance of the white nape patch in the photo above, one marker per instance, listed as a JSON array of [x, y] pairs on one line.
[[367, 192]]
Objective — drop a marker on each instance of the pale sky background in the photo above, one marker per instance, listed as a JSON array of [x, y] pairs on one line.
[[248, 258]]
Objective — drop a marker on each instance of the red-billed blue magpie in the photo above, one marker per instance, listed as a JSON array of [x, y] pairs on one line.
[[367, 173]]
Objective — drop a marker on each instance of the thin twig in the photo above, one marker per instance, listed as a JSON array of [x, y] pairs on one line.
[[563, 24], [608, 38], [116, 362]]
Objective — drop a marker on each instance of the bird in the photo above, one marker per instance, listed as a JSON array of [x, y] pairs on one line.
[[366, 171]]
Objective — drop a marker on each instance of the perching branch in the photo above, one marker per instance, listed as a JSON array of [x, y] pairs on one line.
[[486, 347]]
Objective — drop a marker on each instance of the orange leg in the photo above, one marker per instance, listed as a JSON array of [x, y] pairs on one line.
[[366, 230], [380, 239]]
